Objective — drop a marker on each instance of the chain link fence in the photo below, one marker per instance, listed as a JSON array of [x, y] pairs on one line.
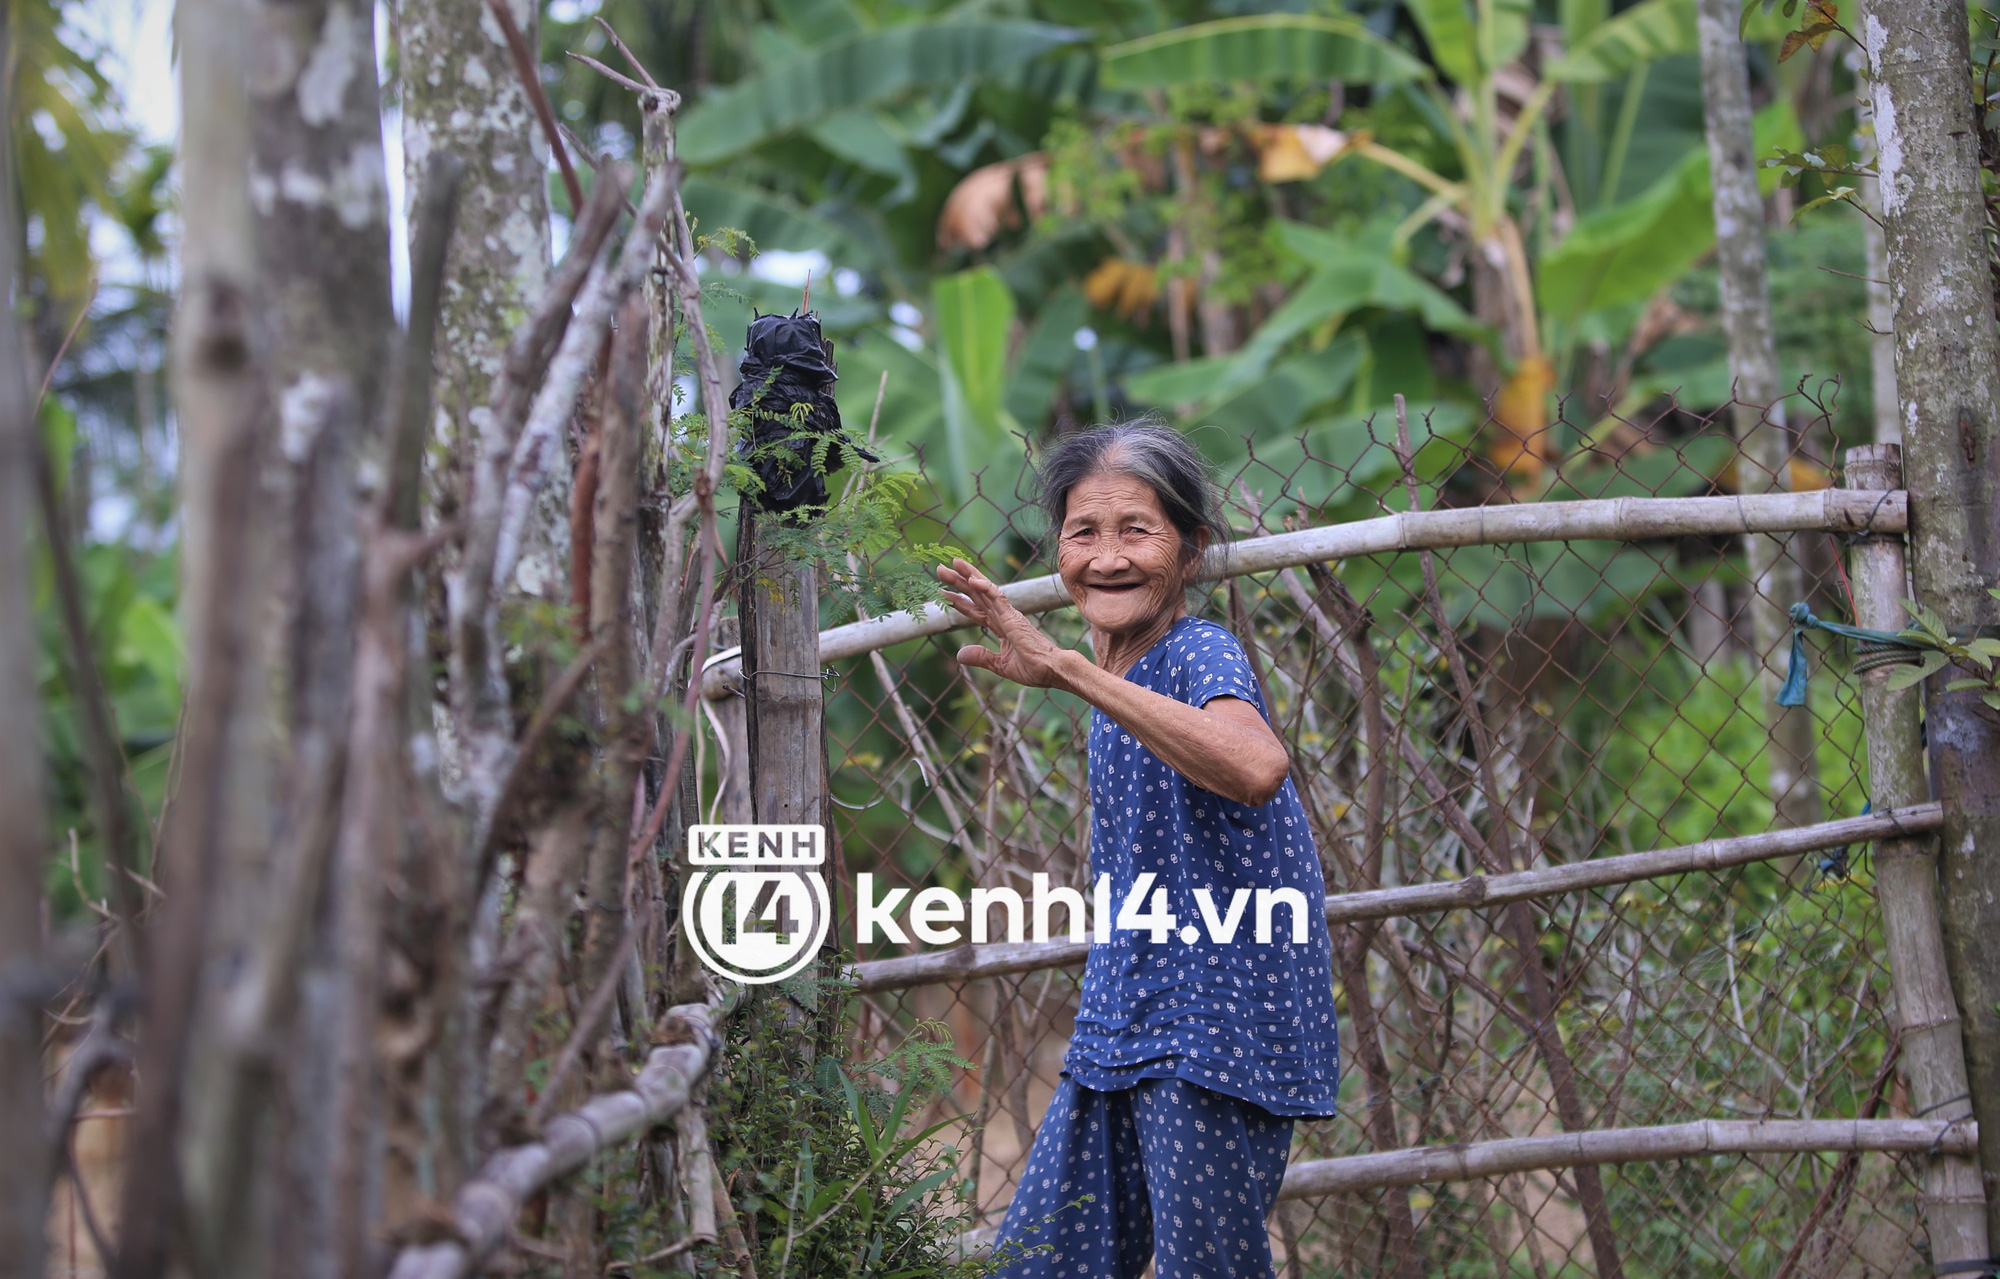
[[1547, 703]]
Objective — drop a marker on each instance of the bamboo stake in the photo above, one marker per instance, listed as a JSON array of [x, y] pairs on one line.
[[966, 961], [484, 1210], [1954, 1199], [1321, 1177], [1625, 519]]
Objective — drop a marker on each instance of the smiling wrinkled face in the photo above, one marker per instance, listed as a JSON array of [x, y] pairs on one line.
[[1120, 556]]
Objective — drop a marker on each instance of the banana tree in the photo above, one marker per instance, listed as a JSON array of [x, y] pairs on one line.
[[1493, 114], [1471, 48]]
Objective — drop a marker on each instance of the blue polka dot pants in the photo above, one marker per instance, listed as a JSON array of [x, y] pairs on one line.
[[1175, 1172]]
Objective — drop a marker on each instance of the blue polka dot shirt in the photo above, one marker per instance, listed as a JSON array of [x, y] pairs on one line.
[[1251, 1019]]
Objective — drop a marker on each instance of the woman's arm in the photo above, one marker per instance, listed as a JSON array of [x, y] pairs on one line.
[[1224, 747]]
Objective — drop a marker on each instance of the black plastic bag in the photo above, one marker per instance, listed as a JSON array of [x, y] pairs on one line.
[[786, 362]]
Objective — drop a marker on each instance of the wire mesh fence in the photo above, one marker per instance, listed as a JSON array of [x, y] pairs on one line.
[[1545, 704]]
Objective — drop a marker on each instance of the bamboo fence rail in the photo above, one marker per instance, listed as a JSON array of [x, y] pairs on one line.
[[966, 961], [1625, 1145], [1383, 1170], [1627, 519], [483, 1211]]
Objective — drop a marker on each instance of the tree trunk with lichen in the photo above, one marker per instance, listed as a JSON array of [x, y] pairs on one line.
[[1948, 380], [460, 93], [1765, 443]]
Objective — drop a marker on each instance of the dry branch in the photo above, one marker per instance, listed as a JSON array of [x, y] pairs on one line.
[[1321, 1177], [1626, 519], [534, 453], [967, 961], [626, 723], [114, 807], [484, 1210], [700, 502], [531, 83], [479, 690]]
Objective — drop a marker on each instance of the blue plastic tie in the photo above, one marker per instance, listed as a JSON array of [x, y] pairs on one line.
[[1794, 691]]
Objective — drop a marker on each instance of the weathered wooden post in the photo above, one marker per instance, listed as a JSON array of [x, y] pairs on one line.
[[1927, 1019], [786, 712], [785, 702]]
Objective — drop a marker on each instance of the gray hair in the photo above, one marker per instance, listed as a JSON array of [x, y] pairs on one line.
[[1147, 450]]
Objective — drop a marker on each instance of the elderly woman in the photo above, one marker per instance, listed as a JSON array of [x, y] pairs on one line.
[[1197, 1045]]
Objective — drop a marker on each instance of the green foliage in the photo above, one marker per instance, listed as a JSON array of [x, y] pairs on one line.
[[766, 217], [975, 313], [1692, 756], [837, 1165], [68, 148], [1450, 33], [1943, 649], [1277, 47], [1627, 252], [1646, 32], [858, 544], [129, 598], [1816, 294], [856, 69], [1352, 273]]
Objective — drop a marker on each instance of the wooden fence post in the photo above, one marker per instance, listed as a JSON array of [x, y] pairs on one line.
[[1927, 1018], [786, 709], [785, 701]]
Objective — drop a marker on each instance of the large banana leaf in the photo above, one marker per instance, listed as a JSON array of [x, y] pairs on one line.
[[910, 412], [1581, 17], [1046, 357], [1626, 252], [1286, 46], [1647, 32], [1343, 465], [815, 20], [1270, 405], [863, 138], [1503, 31], [1449, 32], [1354, 272], [853, 70], [974, 314], [1200, 382]]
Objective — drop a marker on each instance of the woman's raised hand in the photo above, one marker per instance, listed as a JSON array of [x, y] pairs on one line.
[[1026, 656]]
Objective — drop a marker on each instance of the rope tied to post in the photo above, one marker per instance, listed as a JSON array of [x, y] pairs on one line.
[[1872, 648]]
